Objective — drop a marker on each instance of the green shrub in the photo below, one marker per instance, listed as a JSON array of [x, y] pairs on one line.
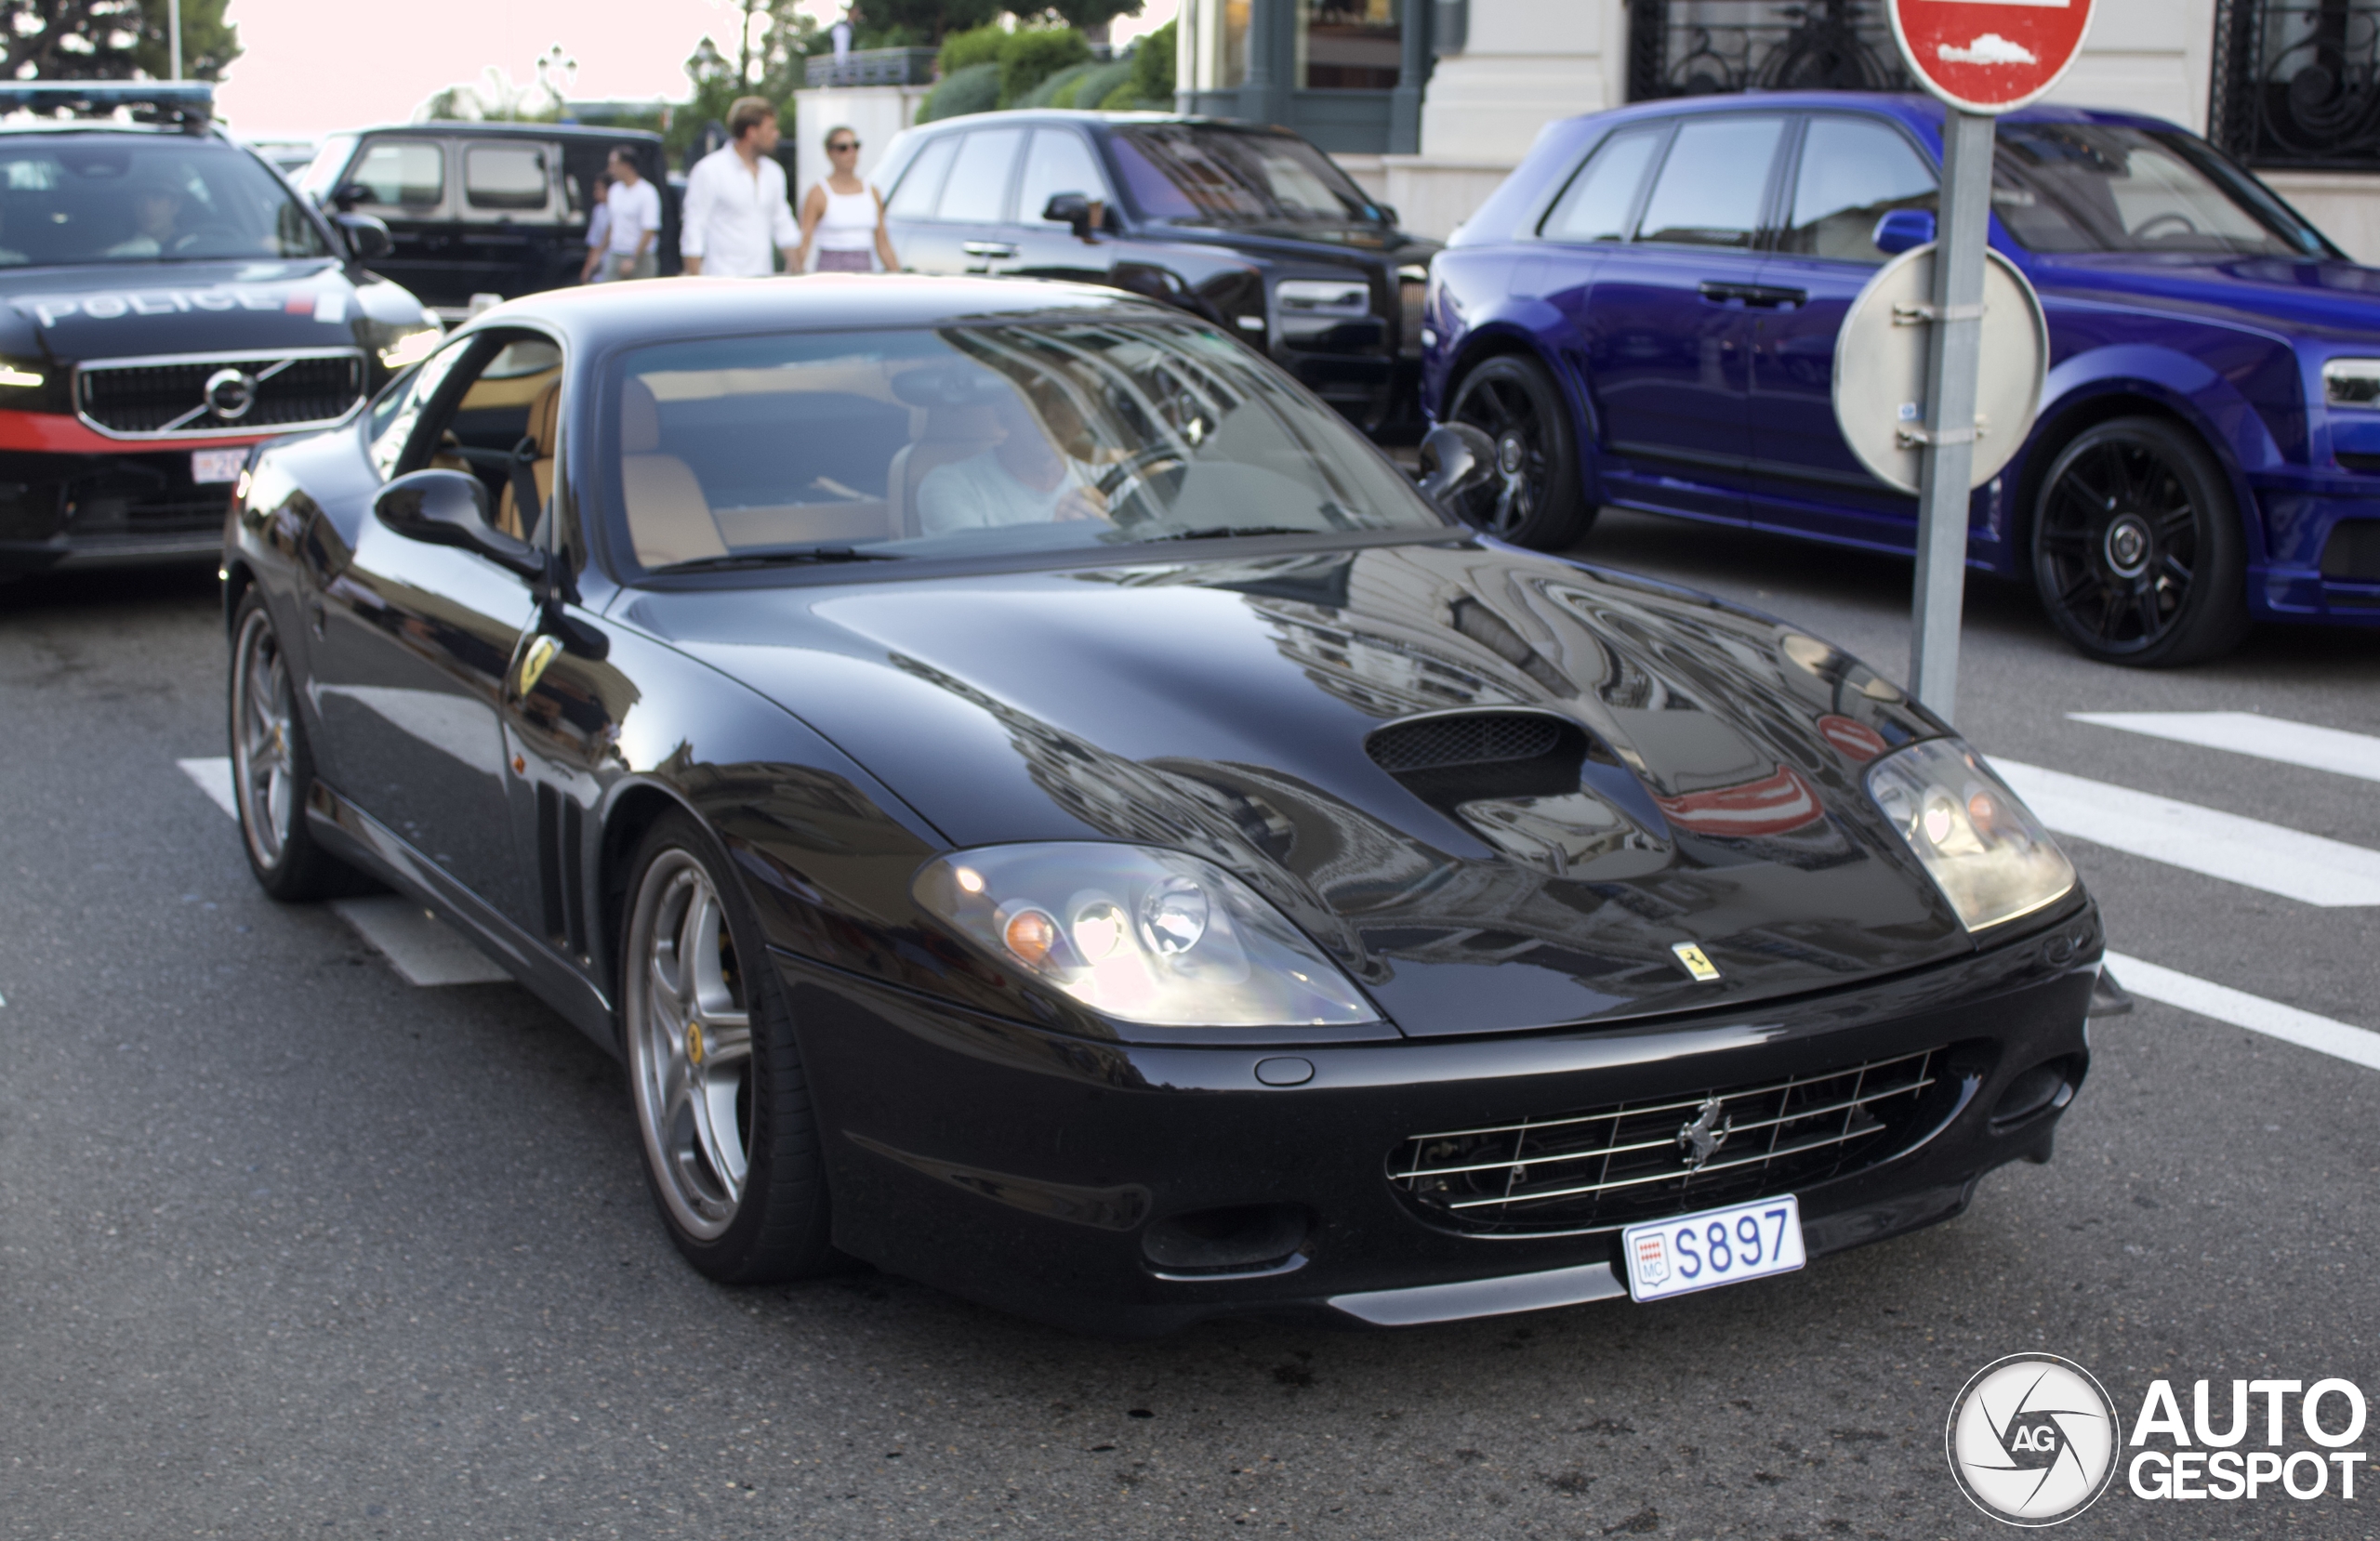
[[1153, 67], [1093, 86], [1062, 83], [1032, 56], [967, 49], [973, 90], [1127, 98]]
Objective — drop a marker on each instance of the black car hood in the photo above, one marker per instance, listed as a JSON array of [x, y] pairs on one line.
[[138, 309], [1224, 707]]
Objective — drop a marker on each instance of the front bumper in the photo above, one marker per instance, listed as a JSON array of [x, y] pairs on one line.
[[107, 508], [1048, 1175]]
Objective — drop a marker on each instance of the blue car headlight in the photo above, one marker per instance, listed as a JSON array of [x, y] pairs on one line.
[[1984, 850], [1141, 935]]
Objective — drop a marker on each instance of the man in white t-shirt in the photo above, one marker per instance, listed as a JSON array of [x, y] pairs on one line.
[[735, 201], [1023, 479], [635, 219]]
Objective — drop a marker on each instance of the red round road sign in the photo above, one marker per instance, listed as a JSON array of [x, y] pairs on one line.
[[1989, 56]]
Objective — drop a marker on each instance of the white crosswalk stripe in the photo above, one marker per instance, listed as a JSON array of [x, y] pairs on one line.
[[2308, 868], [2323, 1035], [2270, 738], [214, 778]]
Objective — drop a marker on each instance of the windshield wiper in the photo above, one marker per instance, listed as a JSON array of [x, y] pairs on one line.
[[782, 556], [1225, 532]]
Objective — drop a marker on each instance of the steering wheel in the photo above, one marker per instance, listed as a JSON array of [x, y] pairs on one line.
[[2154, 220]]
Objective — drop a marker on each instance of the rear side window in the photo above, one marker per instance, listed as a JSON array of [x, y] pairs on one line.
[[921, 188], [504, 176], [403, 173], [1711, 184], [977, 191], [1596, 205], [1854, 171]]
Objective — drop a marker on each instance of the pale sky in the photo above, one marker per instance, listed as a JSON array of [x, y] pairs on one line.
[[316, 65]]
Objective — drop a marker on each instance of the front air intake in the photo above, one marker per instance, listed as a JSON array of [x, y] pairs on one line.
[[1457, 757]]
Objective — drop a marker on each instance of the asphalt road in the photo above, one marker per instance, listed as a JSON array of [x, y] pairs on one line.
[[290, 1247]]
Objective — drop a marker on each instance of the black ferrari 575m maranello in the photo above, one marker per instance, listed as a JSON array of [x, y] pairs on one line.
[[1040, 805]]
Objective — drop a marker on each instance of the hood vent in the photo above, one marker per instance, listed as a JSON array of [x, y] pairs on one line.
[[1461, 757]]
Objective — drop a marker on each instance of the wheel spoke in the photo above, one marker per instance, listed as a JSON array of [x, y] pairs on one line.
[[727, 1039]]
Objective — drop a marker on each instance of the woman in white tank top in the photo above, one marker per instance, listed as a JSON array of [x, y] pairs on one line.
[[844, 216]]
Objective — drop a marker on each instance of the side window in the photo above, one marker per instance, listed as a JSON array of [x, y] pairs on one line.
[[403, 173], [505, 177], [1596, 204], [1711, 184], [394, 415], [1060, 162], [979, 177], [1854, 171], [920, 186]]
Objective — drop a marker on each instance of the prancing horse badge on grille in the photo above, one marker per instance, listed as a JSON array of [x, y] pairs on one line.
[[1701, 1138], [1695, 962]]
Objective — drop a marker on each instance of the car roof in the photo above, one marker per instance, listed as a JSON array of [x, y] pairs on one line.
[[610, 315], [1912, 107], [1090, 119], [512, 130]]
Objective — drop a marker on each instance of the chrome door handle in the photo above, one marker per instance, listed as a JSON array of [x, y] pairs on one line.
[[994, 249]]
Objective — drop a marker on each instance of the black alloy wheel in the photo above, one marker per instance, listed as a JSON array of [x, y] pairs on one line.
[[730, 1142], [1531, 495], [2136, 547], [272, 767]]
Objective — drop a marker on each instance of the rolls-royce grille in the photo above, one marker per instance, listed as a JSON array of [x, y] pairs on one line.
[[1471, 738], [1636, 1160], [248, 393]]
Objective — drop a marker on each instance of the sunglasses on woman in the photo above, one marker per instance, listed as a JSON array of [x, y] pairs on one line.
[[847, 146]]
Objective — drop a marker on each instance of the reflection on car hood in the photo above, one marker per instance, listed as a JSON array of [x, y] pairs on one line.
[[2259, 291], [1224, 707]]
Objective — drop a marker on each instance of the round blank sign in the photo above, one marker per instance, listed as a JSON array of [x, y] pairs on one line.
[[1880, 368]]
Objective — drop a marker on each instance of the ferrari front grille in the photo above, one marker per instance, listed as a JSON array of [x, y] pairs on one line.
[[1464, 738], [200, 395], [1634, 1161]]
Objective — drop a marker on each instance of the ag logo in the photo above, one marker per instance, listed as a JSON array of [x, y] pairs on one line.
[[2032, 1439]]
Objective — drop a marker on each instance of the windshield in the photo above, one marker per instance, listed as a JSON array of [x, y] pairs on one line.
[[2066, 187], [1208, 176], [121, 200], [963, 440]]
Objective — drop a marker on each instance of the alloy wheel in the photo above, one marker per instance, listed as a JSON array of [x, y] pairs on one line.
[[263, 756], [690, 1041], [1516, 485], [2119, 542]]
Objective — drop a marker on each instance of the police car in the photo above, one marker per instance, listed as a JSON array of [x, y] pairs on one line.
[[167, 300]]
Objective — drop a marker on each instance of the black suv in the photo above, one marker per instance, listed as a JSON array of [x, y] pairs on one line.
[[482, 208], [1253, 227], [170, 303]]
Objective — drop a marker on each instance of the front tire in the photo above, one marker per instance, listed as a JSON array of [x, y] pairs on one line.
[[2136, 547], [272, 767], [1533, 496], [722, 1105]]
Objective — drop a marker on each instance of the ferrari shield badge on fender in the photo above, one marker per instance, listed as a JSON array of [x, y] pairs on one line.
[[1692, 960]]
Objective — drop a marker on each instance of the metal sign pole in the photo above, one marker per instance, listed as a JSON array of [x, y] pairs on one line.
[[174, 28], [1951, 426]]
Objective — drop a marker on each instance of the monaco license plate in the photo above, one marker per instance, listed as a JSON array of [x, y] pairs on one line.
[[207, 466], [1686, 1253]]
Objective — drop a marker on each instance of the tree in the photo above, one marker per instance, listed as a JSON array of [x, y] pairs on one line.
[[1090, 17], [923, 23], [114, 39], [494, 98]]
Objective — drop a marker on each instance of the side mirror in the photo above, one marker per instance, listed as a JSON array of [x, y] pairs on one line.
[[1074, 209], [366, 237], [347, 194], [1903, 228], [1455, 458], [442, 507]]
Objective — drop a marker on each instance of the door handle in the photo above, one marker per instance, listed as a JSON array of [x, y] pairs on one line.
[[1757, 296], [994, 249]]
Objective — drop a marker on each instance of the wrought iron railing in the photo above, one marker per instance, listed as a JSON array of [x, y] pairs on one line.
[[1700, 47], [2297, 84]]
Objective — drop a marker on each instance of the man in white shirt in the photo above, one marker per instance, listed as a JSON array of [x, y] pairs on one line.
[[1025, 478], [735, 201], [635, 219]]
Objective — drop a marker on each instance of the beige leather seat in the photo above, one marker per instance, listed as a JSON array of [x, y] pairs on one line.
[[952, 434], [670, 519], [544, 410]]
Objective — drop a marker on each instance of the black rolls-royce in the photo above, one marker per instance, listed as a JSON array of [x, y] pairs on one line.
[[1039, 804]]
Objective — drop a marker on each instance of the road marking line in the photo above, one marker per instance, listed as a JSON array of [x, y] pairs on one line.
[[2341, 1040], [2305, 867], [2270, 738], [214, 778], [420, 947]]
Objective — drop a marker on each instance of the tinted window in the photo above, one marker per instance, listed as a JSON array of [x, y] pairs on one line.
[[1596, 205], [921, 187], [504, 176], [978, 182], [403, 172], [1854, 171], [1711, 183], [1203, 175], [94, 200], [1060, 163], [2066, 187]]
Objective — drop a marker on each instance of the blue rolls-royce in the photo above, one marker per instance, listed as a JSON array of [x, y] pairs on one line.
[[1645, 315]]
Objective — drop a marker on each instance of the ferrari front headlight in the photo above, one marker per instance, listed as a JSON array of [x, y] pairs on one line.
[[1142, 935], [1984, 850]]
